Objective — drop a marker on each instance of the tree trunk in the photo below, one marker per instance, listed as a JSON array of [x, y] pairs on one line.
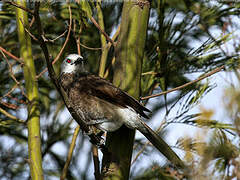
[[33, 124], [127, 76]]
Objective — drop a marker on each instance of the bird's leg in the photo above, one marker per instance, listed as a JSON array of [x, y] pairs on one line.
[[97, 140], [90, 132], [98, 134]]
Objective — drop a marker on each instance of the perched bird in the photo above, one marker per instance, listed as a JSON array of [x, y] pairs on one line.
[[105, 106]]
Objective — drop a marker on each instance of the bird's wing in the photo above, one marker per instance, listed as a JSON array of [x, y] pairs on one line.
[[105, 90]]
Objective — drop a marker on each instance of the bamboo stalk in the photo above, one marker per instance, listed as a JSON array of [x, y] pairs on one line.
[[105, 49], [34, 137], [127, 76]]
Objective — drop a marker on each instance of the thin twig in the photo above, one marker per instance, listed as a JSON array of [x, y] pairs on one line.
[[108, 69], [187, 84], [10, 69], [11, 116], [90, 48], [78, 45], [103, 32], [52, 40], [78, 40], [29, 33], [70, 152], [8, 105], [10, 91], [11, 55], [149, 73], [96, 162], [32, 21], [77, 37], [11, 72], [108, 44], [140, 152], [16, 99]]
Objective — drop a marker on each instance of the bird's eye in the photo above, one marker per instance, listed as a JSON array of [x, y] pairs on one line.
[[68, 61]]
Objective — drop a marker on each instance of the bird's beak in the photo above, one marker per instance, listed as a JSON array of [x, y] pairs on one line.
[[78, 61]]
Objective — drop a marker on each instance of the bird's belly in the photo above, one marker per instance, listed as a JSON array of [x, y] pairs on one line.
[[129, 117], [110, 126]]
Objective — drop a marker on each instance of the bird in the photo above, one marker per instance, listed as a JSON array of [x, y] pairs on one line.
[[101, 104]]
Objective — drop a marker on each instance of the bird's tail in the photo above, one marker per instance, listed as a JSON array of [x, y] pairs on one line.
[[161, 145]]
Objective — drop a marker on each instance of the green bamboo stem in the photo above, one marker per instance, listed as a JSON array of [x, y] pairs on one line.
[[127, 76], [105, 48], [34, 138]]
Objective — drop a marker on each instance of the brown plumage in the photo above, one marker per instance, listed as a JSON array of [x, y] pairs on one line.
[[90, 85], [99, 103]]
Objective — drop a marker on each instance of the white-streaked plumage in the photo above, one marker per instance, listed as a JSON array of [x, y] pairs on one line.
[[101, 104], [127, 116]]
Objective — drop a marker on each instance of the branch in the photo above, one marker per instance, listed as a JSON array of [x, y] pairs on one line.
[[70, 152], [8, 105], [114, 36], [103, 32], [10, 91], [78, 41], [29, 33], [90, 48], [17, 100], [12, 75], [140, 152], [11, 116], [10, 69], [187, 84], [11, 55], [96, 162], [52, 40], [108, 44]]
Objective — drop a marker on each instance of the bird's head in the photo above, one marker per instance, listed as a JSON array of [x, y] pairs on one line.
[[73, 63]]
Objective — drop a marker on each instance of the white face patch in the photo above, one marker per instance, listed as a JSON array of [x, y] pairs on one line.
[[69, 66]]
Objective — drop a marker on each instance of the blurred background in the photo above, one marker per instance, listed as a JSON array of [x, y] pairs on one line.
[[185, 40]]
